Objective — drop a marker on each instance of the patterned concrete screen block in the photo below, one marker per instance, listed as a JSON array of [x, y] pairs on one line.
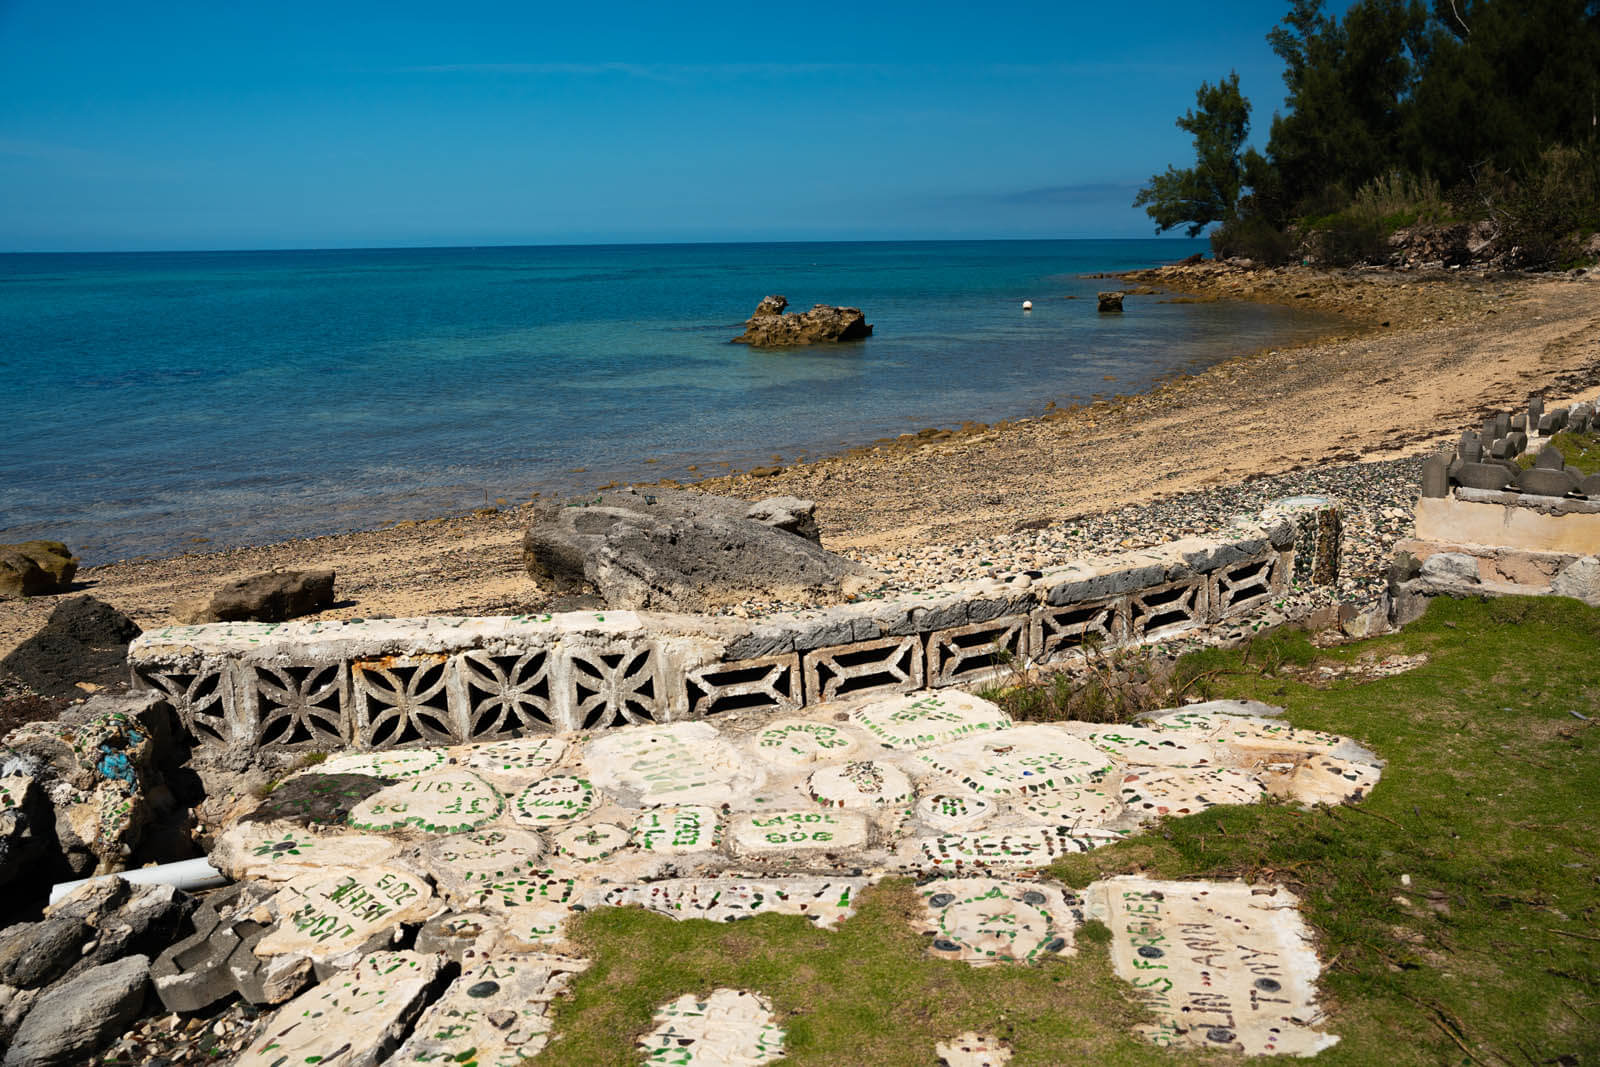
[[322, 915], [797, 742], [1176, 791], [613, 688], [1222, 965], [403, 700], [354, 1018], [1167, 609], [770, 684], [676, 831], [924, 720], [679, 763], [506, 695], [976, 652], [299, 707], [983, 921], [204, 701], [554, 801], [973, 1049], [1059, 633], [1018, 846], [859, 784], [449, 802], [496, 1015], [1243, 587], [1026, 759], [729, 1028], [766, 832], [890, 665], [822, 900]]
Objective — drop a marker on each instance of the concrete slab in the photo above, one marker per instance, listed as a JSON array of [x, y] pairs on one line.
[[728, 1028], [398, 763], [797, 742], [984, 921], [768, 832], [677, 831], [1022, 760], [462, 864], [524, 756], [859, 784], [280, 850], [956, 811], [1024, 846], [495, 1013], [326, 914], [973, 1049], [445, 802], [1177, 791], [822, 900], [1223, 965], [591, 842], [554, 801], [680, 763], [922, 720], [1082, 807]]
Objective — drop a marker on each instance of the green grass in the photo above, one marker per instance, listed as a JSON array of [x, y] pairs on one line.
[[1582, 450], [1490, 803]]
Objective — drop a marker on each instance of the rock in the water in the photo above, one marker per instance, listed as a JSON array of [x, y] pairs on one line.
[[770, 327], [84, 640], [33, 568], [75, 1018], [270, 597], [682, 551], [1111, 301]]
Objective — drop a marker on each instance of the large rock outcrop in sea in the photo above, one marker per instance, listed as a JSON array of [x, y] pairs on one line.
[[674, 550], [769, 327]]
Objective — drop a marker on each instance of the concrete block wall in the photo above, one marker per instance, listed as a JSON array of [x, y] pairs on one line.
[[382, 683]]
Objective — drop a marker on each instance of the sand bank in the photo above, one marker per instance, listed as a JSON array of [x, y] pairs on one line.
[[1420, 359]]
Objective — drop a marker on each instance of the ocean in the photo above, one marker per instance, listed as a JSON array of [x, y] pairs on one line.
[[152, 400]]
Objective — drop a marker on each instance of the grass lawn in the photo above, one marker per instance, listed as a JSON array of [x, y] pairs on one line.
[[1581, 450], [1490, 804]]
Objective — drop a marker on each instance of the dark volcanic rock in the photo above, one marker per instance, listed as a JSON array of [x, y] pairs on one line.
[[84, 640], [770, 327], [270, 597]]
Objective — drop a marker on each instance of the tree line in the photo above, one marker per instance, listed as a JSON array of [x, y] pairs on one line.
[[1400, 114]]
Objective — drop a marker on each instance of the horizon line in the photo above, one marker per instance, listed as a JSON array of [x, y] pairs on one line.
[[565, 244]]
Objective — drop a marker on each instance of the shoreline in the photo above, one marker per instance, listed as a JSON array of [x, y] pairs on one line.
[[1465, 342]]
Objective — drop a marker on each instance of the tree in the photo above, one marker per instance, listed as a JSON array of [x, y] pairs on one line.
[[1209, 191]]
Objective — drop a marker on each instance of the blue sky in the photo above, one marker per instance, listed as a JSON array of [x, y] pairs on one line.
[[234, 124]]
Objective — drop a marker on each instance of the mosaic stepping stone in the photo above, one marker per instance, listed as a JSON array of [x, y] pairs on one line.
[[524, 755], [1145, 747], [793, 831], [1184, 792], [859, 784], [592, 842], [279, 851], [400, 763], [450, 802], [1222, 965], [823, 901], [554, 801], [984, 920], [680, 763], [463, 863], [1322, 780], [496, 1013], [1250, 734], [1020, 761], [1024, 846], [729, 1028], [340, 1020], [534, 907], [325, 914], [1081, 807], [972, 1049], [922, 720], [955, 811], [675, 831], [796, 742], [316, 799]]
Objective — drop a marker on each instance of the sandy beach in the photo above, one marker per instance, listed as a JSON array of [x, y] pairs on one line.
[[1421, 357]]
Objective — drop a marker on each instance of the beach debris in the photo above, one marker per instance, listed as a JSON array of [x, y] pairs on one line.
[[270, 597], [1027, 305], [769, 327]]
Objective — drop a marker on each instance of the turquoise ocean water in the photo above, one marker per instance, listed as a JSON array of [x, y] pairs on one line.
[[244, 397]]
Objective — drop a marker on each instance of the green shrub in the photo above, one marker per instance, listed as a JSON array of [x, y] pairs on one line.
[[1253, 238]]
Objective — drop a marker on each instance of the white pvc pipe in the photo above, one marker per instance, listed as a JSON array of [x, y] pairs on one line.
[[184, 874]]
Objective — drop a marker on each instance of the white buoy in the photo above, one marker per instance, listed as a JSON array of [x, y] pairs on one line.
[[1027, 305]]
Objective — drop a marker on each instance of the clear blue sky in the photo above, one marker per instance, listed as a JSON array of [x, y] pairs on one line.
[[237, 124]]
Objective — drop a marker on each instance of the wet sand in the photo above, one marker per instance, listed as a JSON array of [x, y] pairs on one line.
[[1422, 358]]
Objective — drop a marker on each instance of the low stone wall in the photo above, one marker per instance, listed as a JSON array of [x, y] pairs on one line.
[[375, 683]]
